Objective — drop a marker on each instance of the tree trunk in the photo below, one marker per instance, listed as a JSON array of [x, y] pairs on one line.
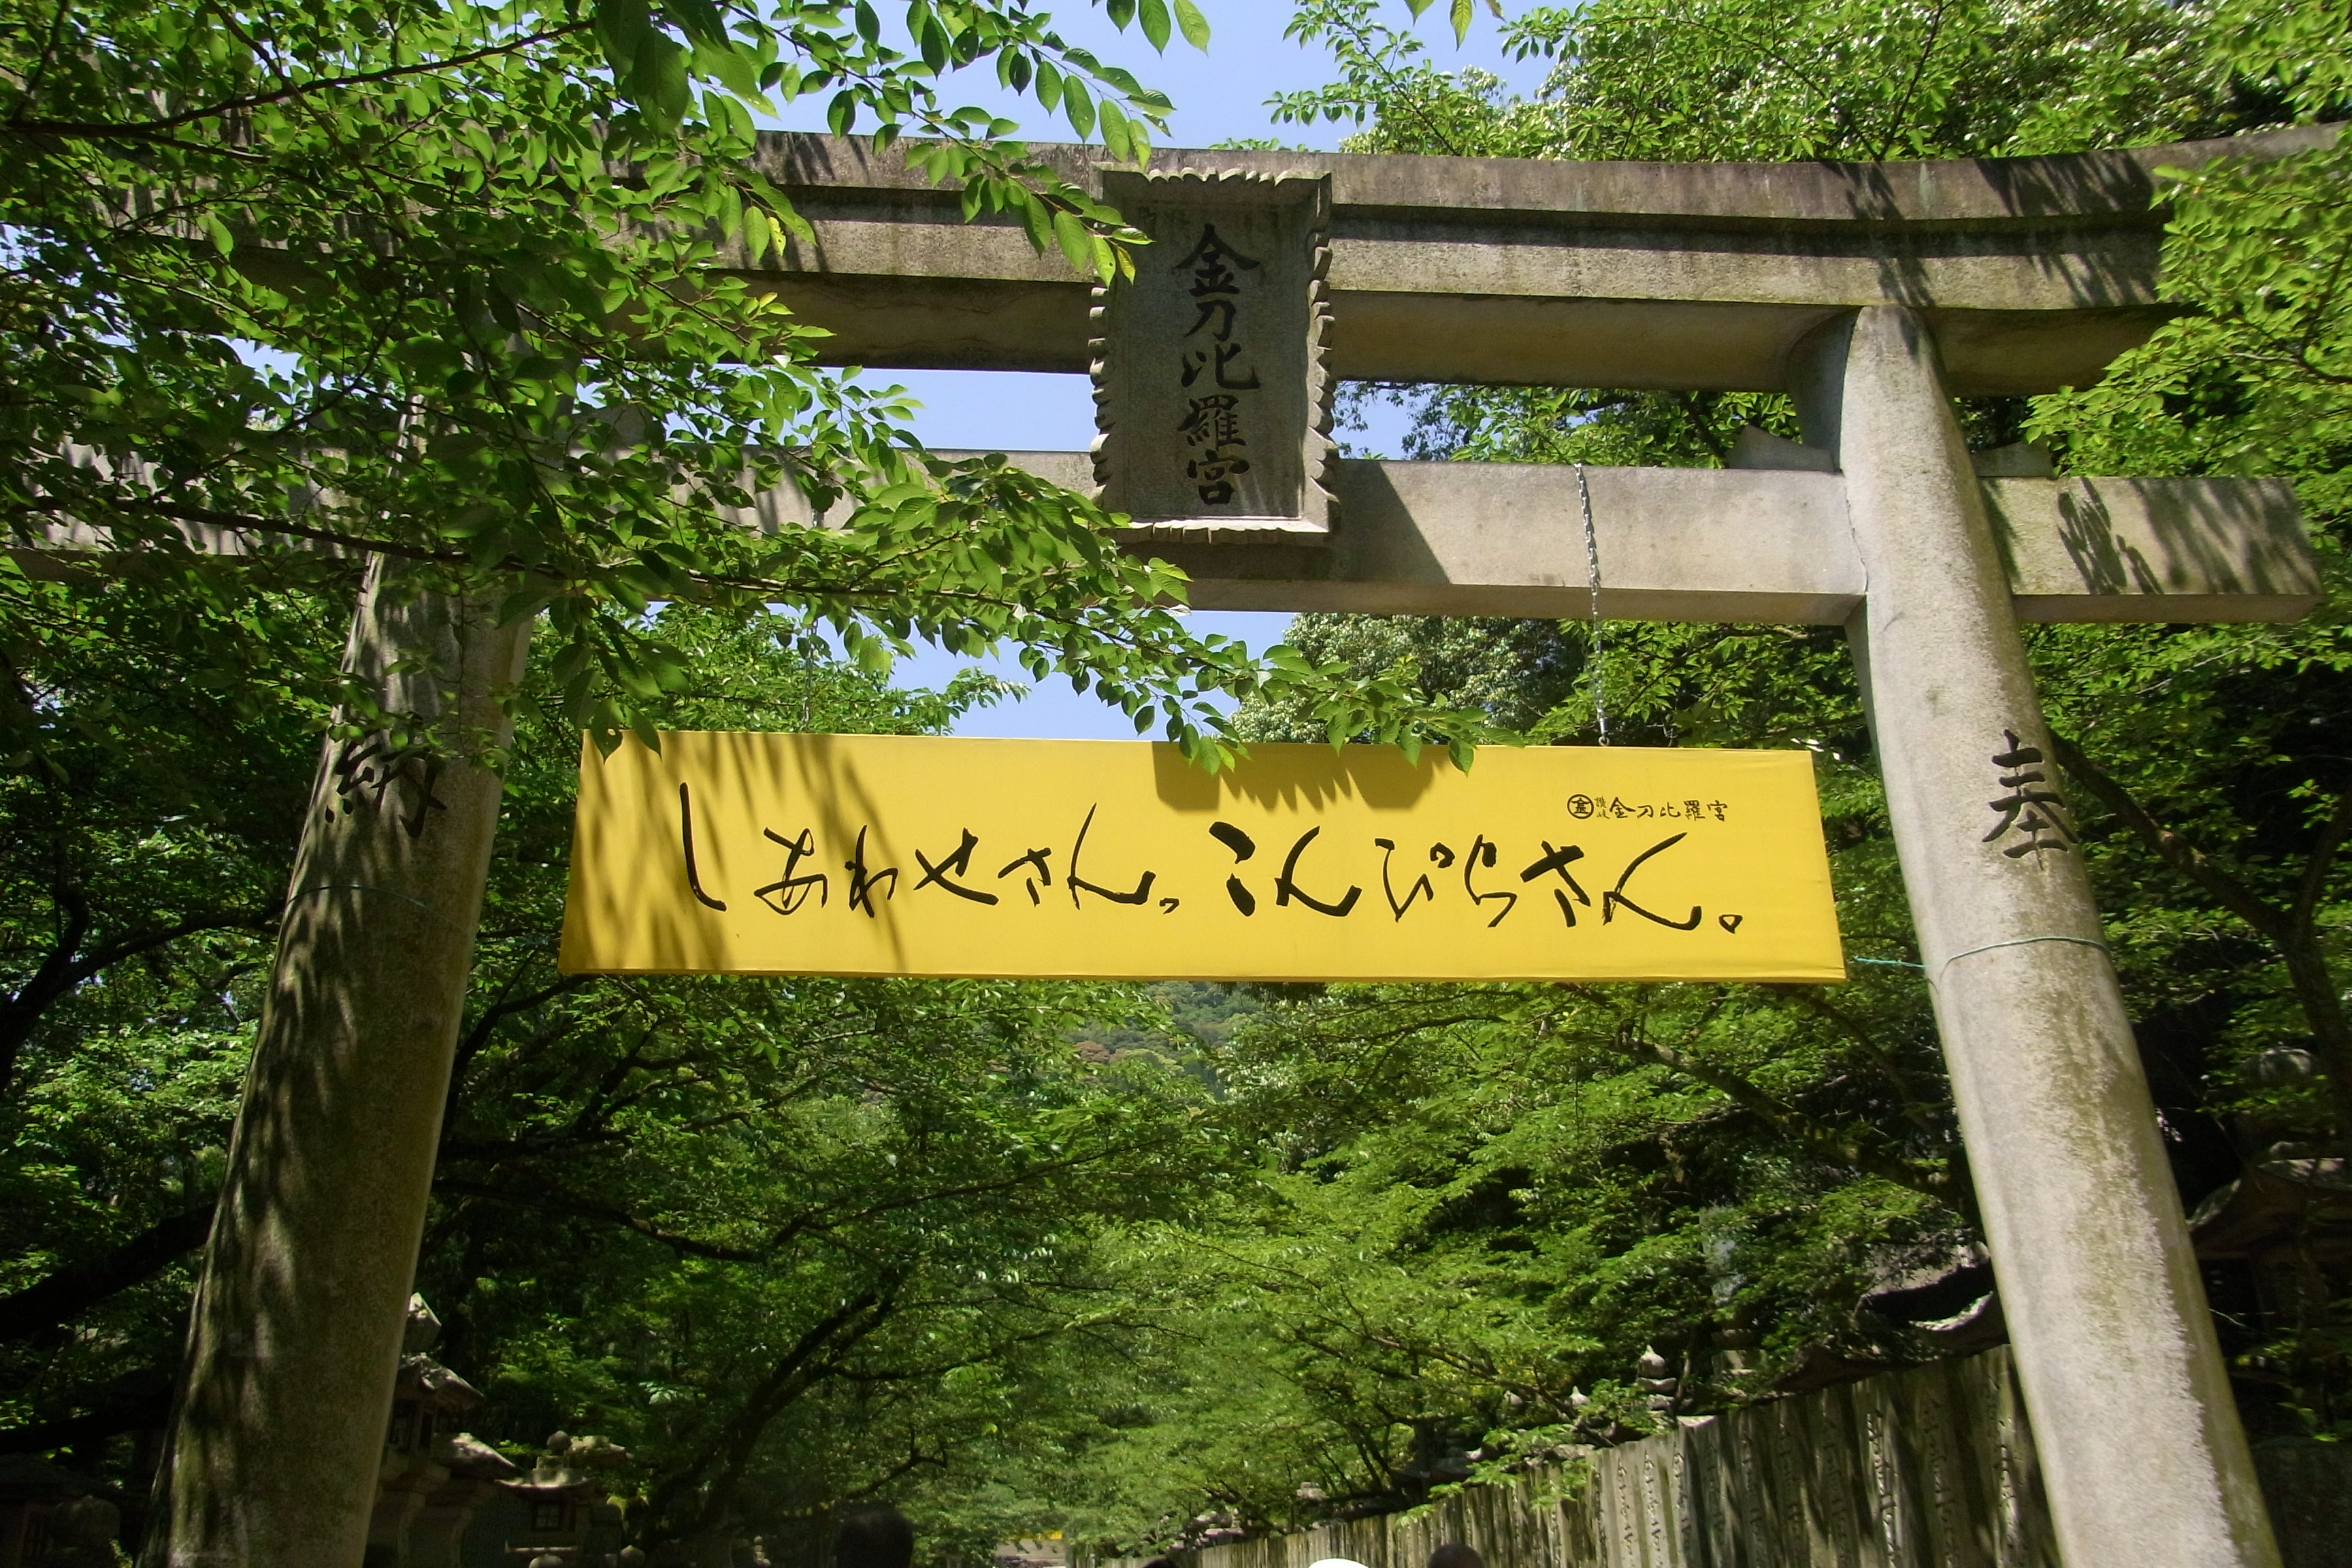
[[298, 1321], [2323, 1008]]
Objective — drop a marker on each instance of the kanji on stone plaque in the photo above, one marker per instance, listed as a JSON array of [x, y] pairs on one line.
[[1212, 399]]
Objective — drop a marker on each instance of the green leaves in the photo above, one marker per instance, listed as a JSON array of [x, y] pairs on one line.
[[460, 246], [1078, 107], [1459, 12], [2296, 44], [1155, 19], [1745, 79], [1122, 138], [757, 1153], [1195, 26], [1077, 243], [2228, 735], [648, 67]]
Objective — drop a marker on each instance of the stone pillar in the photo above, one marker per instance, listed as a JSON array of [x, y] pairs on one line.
[[298, 1320], [2139, 1440]]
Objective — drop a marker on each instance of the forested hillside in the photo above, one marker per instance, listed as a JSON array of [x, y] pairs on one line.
[[1144, 1265]]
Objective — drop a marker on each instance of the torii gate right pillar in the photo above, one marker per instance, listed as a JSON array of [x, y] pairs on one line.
[[2140, 1444]]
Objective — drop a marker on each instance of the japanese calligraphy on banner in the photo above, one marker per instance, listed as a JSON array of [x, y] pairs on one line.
[[771, 854]]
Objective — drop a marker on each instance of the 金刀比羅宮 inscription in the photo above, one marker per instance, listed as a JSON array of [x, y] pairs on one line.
[[1210, 382], [1213, 425]]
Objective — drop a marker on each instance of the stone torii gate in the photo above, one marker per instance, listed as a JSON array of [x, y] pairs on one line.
[[1871, 293]]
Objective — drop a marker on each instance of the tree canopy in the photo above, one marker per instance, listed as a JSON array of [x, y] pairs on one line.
[[2212, 790], [449, 283]]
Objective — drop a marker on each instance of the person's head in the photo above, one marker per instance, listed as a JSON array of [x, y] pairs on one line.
[[1454, 1554], [874, 1537]]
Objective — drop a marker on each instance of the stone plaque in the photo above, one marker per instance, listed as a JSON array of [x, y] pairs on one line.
[[1213, 398]]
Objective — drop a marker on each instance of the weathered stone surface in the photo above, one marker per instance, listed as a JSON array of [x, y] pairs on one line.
[[2141, 1448], [2141, 549], [1765, 540], [2032, 273], [1723, 544], [296, 1332], [1507, 539], [1718, 544]]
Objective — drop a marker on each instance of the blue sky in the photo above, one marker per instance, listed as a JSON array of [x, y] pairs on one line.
[[1219, 96]]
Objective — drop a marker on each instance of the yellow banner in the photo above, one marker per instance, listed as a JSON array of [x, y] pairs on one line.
[[768, 854]]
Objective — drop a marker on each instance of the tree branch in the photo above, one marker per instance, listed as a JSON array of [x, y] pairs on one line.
[[2293, 932], [101, 129], [130, 1404], [73, 1289], [2177, 851], [480, 1035], [65, 968], [807, 1363], [1792, 1123], [551, 1199], [2322, 861], [1701, 428]]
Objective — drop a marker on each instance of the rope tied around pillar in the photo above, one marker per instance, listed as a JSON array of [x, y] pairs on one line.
[[1595, 665], [2017, 941]]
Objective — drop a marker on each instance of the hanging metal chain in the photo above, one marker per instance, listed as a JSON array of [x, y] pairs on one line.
[[1594, 667]]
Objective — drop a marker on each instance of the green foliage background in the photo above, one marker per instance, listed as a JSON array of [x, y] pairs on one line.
[[1138, 1265]]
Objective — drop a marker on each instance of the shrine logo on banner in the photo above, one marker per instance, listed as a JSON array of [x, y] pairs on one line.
[[886, 855]]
